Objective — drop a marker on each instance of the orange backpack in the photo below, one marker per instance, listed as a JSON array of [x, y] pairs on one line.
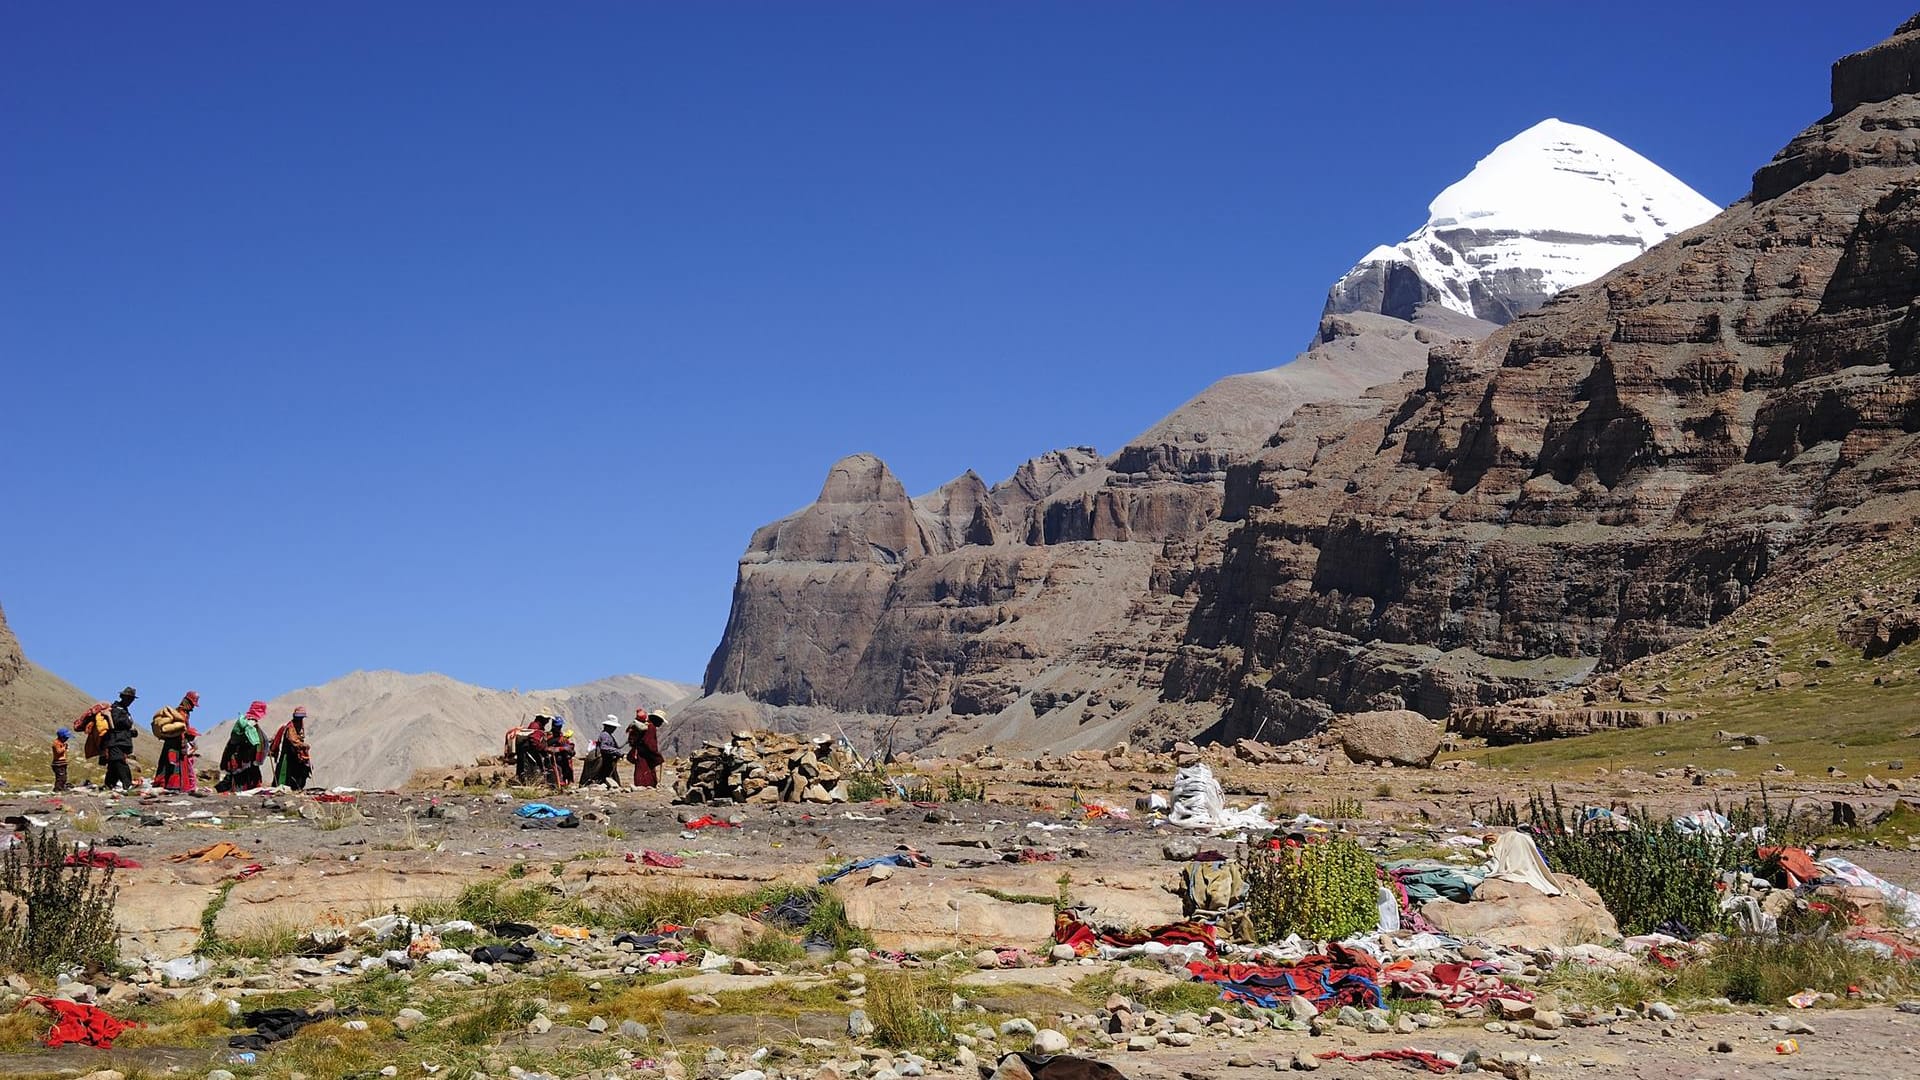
[[94, 724]]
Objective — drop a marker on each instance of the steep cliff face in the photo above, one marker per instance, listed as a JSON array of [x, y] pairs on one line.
[[33, 701], [1602, 479]]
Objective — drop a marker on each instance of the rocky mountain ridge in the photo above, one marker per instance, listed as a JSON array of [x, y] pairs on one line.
[[1045, 608], [1603, 479]]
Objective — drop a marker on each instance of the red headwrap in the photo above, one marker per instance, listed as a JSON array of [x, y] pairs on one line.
[[300, 712], [191, 701], [639, 714], [257, 711]]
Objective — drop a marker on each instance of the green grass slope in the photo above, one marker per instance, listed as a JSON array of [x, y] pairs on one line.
[[1781, 667]]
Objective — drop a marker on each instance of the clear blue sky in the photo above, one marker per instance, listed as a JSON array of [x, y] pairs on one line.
[[478, 337]]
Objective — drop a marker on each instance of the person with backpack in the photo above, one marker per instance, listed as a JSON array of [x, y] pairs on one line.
[[60, 758], [292, 754], [116, 750], [98, 720], [174, 728], [246, 749]]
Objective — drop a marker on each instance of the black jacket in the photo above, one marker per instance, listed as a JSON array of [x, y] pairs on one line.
[[118, 745]]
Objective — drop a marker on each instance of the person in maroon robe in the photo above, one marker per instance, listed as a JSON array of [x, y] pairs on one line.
[[643, 747]]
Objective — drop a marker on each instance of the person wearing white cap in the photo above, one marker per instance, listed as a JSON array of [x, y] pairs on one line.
[[603, 756]]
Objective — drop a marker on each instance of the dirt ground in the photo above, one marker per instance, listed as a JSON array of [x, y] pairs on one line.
[[310, 863]]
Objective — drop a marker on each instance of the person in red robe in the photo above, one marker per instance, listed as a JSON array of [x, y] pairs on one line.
[[643, 747]]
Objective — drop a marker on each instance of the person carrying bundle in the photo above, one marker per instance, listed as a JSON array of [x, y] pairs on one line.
[[174, 728], [246, 749]]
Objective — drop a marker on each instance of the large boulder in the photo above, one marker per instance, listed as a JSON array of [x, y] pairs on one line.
[[1392, 737], [1517, 915]]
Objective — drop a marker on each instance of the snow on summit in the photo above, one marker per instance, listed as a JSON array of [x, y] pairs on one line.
[[1553, 207]]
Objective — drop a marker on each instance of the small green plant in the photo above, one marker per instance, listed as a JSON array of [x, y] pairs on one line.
[[1323, 891], [1342, 809], [60, 915], [906, 1010], [868, 785]]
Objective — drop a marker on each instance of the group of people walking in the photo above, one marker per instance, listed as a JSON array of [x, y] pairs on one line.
[[543, 751], [109, 735]]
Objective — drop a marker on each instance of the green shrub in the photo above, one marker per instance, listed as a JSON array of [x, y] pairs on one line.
[[1323, 891], [1654, 872], [61, 916], [867, 785]]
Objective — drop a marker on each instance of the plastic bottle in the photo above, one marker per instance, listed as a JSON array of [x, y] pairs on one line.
[[1787, 1046]]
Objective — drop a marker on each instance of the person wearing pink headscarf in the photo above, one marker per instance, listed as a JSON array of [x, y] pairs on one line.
[[246, 749]]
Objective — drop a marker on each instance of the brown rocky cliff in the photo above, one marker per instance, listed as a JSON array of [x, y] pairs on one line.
[[1604, 478], [33, 701]]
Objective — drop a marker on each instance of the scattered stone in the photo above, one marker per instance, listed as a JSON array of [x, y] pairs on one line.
[[1662, 1011], [1138, 1043], [539, 1025], [1304, 1061], [1048, 1042], [597, 1025], [634, 1029], [858, 1025], [1018, 1026]]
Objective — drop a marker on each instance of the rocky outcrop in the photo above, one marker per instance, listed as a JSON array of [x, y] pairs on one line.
[[1534, 721], [1408, 517], [1391, 737], [33, 701], [1602, 479]]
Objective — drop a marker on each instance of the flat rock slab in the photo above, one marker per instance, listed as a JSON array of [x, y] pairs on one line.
[[720, 982], [1058, 977]]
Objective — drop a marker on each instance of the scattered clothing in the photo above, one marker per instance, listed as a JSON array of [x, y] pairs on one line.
[[271, 1026], [512, 930], [503, 954], [659, 858], [212, 853], [1428, 883], [1457, 987], [1062, 1067], [75, 1021], [110, 860], [1903, 906], [908, 859], [708, 821], [1431, 1062], [1200, 803], [1516, 859], [542, 816], [1324, 980]]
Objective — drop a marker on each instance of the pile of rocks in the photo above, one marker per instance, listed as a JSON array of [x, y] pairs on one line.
[[765, 767]]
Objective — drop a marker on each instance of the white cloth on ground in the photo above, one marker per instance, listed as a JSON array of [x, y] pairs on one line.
[[1516, 859], [1199, 803]]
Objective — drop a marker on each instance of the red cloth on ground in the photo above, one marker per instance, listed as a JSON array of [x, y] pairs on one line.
[[1431, 1062], [102, 859], [77, 1022], [708, 821], [661, 858], [1795, 861]]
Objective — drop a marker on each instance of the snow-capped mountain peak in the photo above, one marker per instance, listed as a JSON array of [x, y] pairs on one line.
[[1553, 207]]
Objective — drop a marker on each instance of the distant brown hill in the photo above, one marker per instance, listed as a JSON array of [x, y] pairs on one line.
[[375, 729]]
